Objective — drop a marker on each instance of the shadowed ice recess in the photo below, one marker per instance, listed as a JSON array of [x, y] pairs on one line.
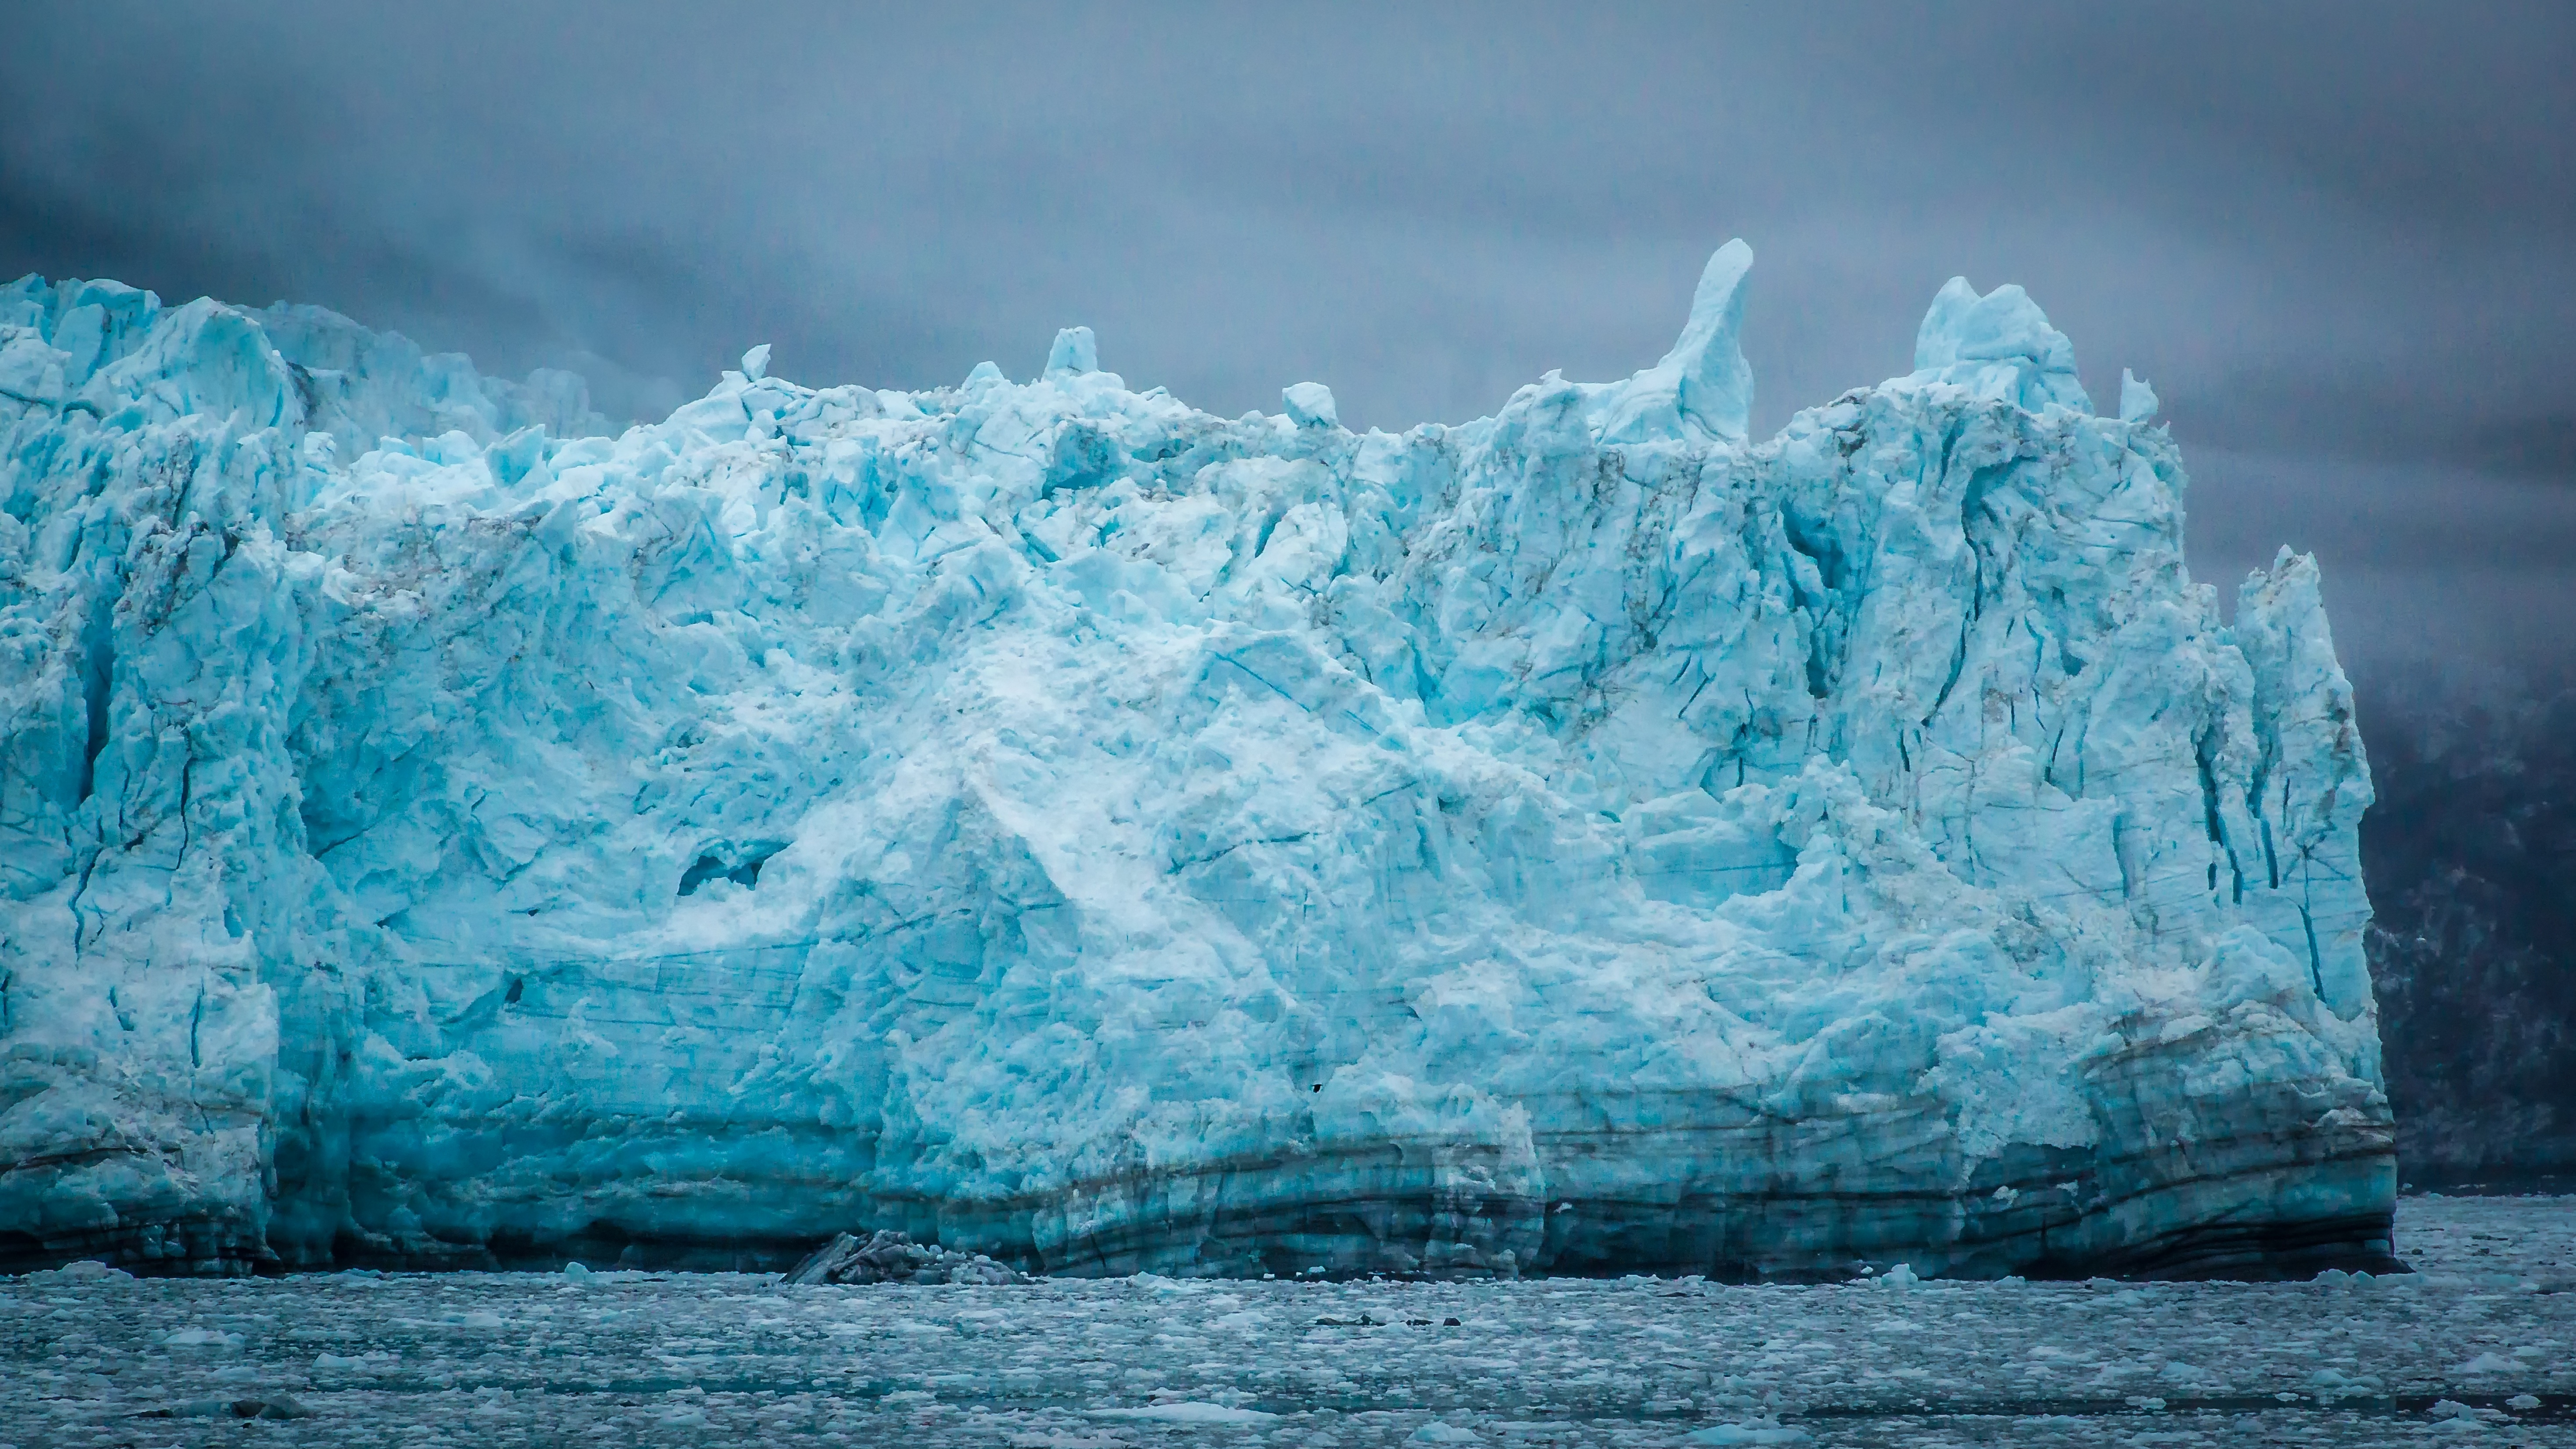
[[1063, 825]]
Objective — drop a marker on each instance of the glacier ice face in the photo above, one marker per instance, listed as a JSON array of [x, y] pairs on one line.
[[1057, 823]]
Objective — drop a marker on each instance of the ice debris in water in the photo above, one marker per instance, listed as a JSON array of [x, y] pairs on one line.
[[1065, 826], [1759, 1431], [892, 1257], [688, 1360], [1190, 1411]]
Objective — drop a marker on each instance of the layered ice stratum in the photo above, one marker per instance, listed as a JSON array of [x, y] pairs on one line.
[[1060, 824]]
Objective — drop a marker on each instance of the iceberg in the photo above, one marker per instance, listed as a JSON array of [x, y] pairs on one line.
[[1058, 824]]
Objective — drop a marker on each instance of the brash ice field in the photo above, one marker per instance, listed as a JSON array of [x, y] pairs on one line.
[[2478, 1346], [1063, 825]]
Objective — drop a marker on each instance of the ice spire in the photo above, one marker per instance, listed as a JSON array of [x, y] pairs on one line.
[[2137, 400], [1074, 352], [1716, 385], [1310, 405], [1998, 345], [1702, 389]]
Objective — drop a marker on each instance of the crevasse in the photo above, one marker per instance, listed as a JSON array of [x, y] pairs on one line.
[[1057, 823]]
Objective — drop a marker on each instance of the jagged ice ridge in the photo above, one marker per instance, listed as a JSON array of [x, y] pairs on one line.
[[1057, 823]]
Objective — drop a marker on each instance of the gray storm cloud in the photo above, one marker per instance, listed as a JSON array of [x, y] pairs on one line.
[[2341, 240]]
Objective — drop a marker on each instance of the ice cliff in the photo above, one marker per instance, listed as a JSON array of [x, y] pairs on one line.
[[1057, 823]]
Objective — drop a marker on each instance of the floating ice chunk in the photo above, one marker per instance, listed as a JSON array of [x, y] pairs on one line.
[[267, 1406], [1073, 354], [1189, 1411], [888, 1256], [1441, 1432], [2450, 1416], [1753, 1431], [87, 1270], [2487, 1363], [1310, 405]]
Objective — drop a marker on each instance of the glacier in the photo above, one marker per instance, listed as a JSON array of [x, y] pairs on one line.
[[1060, 824]]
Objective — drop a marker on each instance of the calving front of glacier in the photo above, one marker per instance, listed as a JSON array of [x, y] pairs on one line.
[[1060, 824]]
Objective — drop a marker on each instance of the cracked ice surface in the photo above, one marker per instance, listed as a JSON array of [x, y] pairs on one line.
[[1061, 824], [2481, 1343]]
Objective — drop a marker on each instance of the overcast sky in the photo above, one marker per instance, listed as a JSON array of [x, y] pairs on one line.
[[2339, 238]]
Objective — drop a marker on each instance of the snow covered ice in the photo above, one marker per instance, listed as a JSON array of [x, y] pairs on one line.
[[1062, 825], [2478, 1345]]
